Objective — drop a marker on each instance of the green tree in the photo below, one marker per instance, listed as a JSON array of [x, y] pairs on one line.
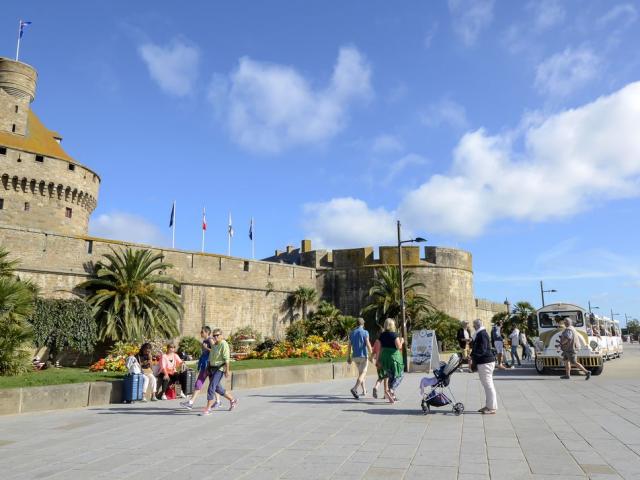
[[524, 316], [62, 323], [16, 304], [633, 327], [302, 298], [131, 297], [385, 296], [322, 322], [445, 326]]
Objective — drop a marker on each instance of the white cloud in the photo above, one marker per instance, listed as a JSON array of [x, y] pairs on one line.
[[174, 67], [567, 71], [126, 227], [445, 112], [269, 107], [386, 143], [546, 13], [432, 30], [624, 14], [397, 167], [568, 162], [348, 222], [470, 17]]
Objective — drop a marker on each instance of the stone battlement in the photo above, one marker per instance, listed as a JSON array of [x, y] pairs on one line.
[[364, 256]]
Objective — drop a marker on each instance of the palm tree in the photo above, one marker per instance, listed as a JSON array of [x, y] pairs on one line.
[[7, 267], [302, 298], [130, 296], [385, 295], [16, 305], [323, 321], [524, 316]]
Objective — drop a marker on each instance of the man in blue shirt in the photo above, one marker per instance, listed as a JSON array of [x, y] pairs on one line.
[[359, 351]]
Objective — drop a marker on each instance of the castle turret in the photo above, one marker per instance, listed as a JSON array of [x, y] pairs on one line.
[[41, 187], [17, 91]]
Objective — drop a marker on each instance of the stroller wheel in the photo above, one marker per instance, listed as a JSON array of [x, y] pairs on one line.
[[458, 408], [425, 408]]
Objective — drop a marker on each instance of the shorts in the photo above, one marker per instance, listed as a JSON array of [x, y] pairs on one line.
[[499, 347], [362, 363], [569, 357]]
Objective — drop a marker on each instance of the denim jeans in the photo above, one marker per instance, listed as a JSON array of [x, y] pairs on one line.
[[215, 377], [514, 354]]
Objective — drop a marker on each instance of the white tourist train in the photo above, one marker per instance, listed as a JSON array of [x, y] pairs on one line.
[[594, 349], [607, 334]]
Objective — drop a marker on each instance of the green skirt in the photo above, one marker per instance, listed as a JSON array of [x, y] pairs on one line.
[[391, 361]]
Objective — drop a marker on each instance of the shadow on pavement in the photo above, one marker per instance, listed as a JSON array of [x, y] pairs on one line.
[[141, 411], [318, 399], [394, 411]]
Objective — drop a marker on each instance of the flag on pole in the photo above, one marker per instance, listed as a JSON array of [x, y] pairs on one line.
[[251, 229], [230, 227], [173, 215], [22, 25], [204, 220]]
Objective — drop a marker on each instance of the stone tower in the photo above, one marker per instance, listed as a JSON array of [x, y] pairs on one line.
[[42, 186]]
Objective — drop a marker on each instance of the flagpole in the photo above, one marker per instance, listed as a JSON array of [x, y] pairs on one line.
[[18, 47], [229, 230], [173, 236], [204, 227], [253, 239]]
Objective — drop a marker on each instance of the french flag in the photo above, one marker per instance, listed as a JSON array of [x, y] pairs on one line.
[[204, 220]]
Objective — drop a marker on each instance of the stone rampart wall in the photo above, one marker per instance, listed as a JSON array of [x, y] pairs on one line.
[[217, 290], [486, 309]]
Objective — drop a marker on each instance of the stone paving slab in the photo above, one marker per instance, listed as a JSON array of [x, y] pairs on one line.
[[546, 428]]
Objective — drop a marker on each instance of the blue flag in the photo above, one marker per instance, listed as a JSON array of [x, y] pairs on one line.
[[173, 214], [22, 25]]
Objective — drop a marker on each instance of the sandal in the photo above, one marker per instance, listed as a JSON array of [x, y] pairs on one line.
[[489, 412]]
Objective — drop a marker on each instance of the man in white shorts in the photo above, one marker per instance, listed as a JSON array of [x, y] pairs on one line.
[[498, 343]]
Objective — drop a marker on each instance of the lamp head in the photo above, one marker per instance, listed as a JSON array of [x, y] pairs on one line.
[[419, 239]]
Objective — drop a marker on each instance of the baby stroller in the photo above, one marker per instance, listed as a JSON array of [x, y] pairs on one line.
[[435, 396]]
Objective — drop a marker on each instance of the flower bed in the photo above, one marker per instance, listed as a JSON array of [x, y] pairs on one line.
[[115, 361], [312, 347]]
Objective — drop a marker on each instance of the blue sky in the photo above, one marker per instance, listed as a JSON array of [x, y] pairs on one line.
[[505, 128]]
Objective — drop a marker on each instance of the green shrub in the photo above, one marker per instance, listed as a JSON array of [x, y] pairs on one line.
[[191, 346], [59, 324], [267, 345], [297, 332], [445, 326]]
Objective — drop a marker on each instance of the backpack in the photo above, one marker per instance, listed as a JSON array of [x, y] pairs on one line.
[[568, 340]]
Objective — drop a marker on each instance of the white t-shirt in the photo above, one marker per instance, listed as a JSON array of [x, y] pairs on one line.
[[515, 337]]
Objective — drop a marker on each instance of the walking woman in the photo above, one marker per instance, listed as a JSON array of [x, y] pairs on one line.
[[391, 358], [482, 357]]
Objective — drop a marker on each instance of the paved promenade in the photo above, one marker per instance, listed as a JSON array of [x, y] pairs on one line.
[[546, 428]]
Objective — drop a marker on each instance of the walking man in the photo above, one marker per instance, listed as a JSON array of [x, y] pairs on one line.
[[514, 337], [498, 344], [219, 366], [359, 350], [570, 344]]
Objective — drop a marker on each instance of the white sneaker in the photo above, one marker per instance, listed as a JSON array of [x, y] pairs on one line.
[[144, 399], [164, 397]]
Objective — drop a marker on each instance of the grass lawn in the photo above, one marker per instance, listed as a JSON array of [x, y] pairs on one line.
[[58, 376]]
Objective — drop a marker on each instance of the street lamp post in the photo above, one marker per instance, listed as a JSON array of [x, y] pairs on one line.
[[405, 357], [543, 291], [594, 308]]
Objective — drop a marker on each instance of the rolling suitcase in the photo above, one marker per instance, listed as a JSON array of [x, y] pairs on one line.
[[132, 387], [187, 382]]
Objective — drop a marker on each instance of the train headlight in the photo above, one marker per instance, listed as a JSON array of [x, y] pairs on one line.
[[594, 345]]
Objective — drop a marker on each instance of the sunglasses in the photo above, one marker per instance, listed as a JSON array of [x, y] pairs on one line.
[[215, 335]]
